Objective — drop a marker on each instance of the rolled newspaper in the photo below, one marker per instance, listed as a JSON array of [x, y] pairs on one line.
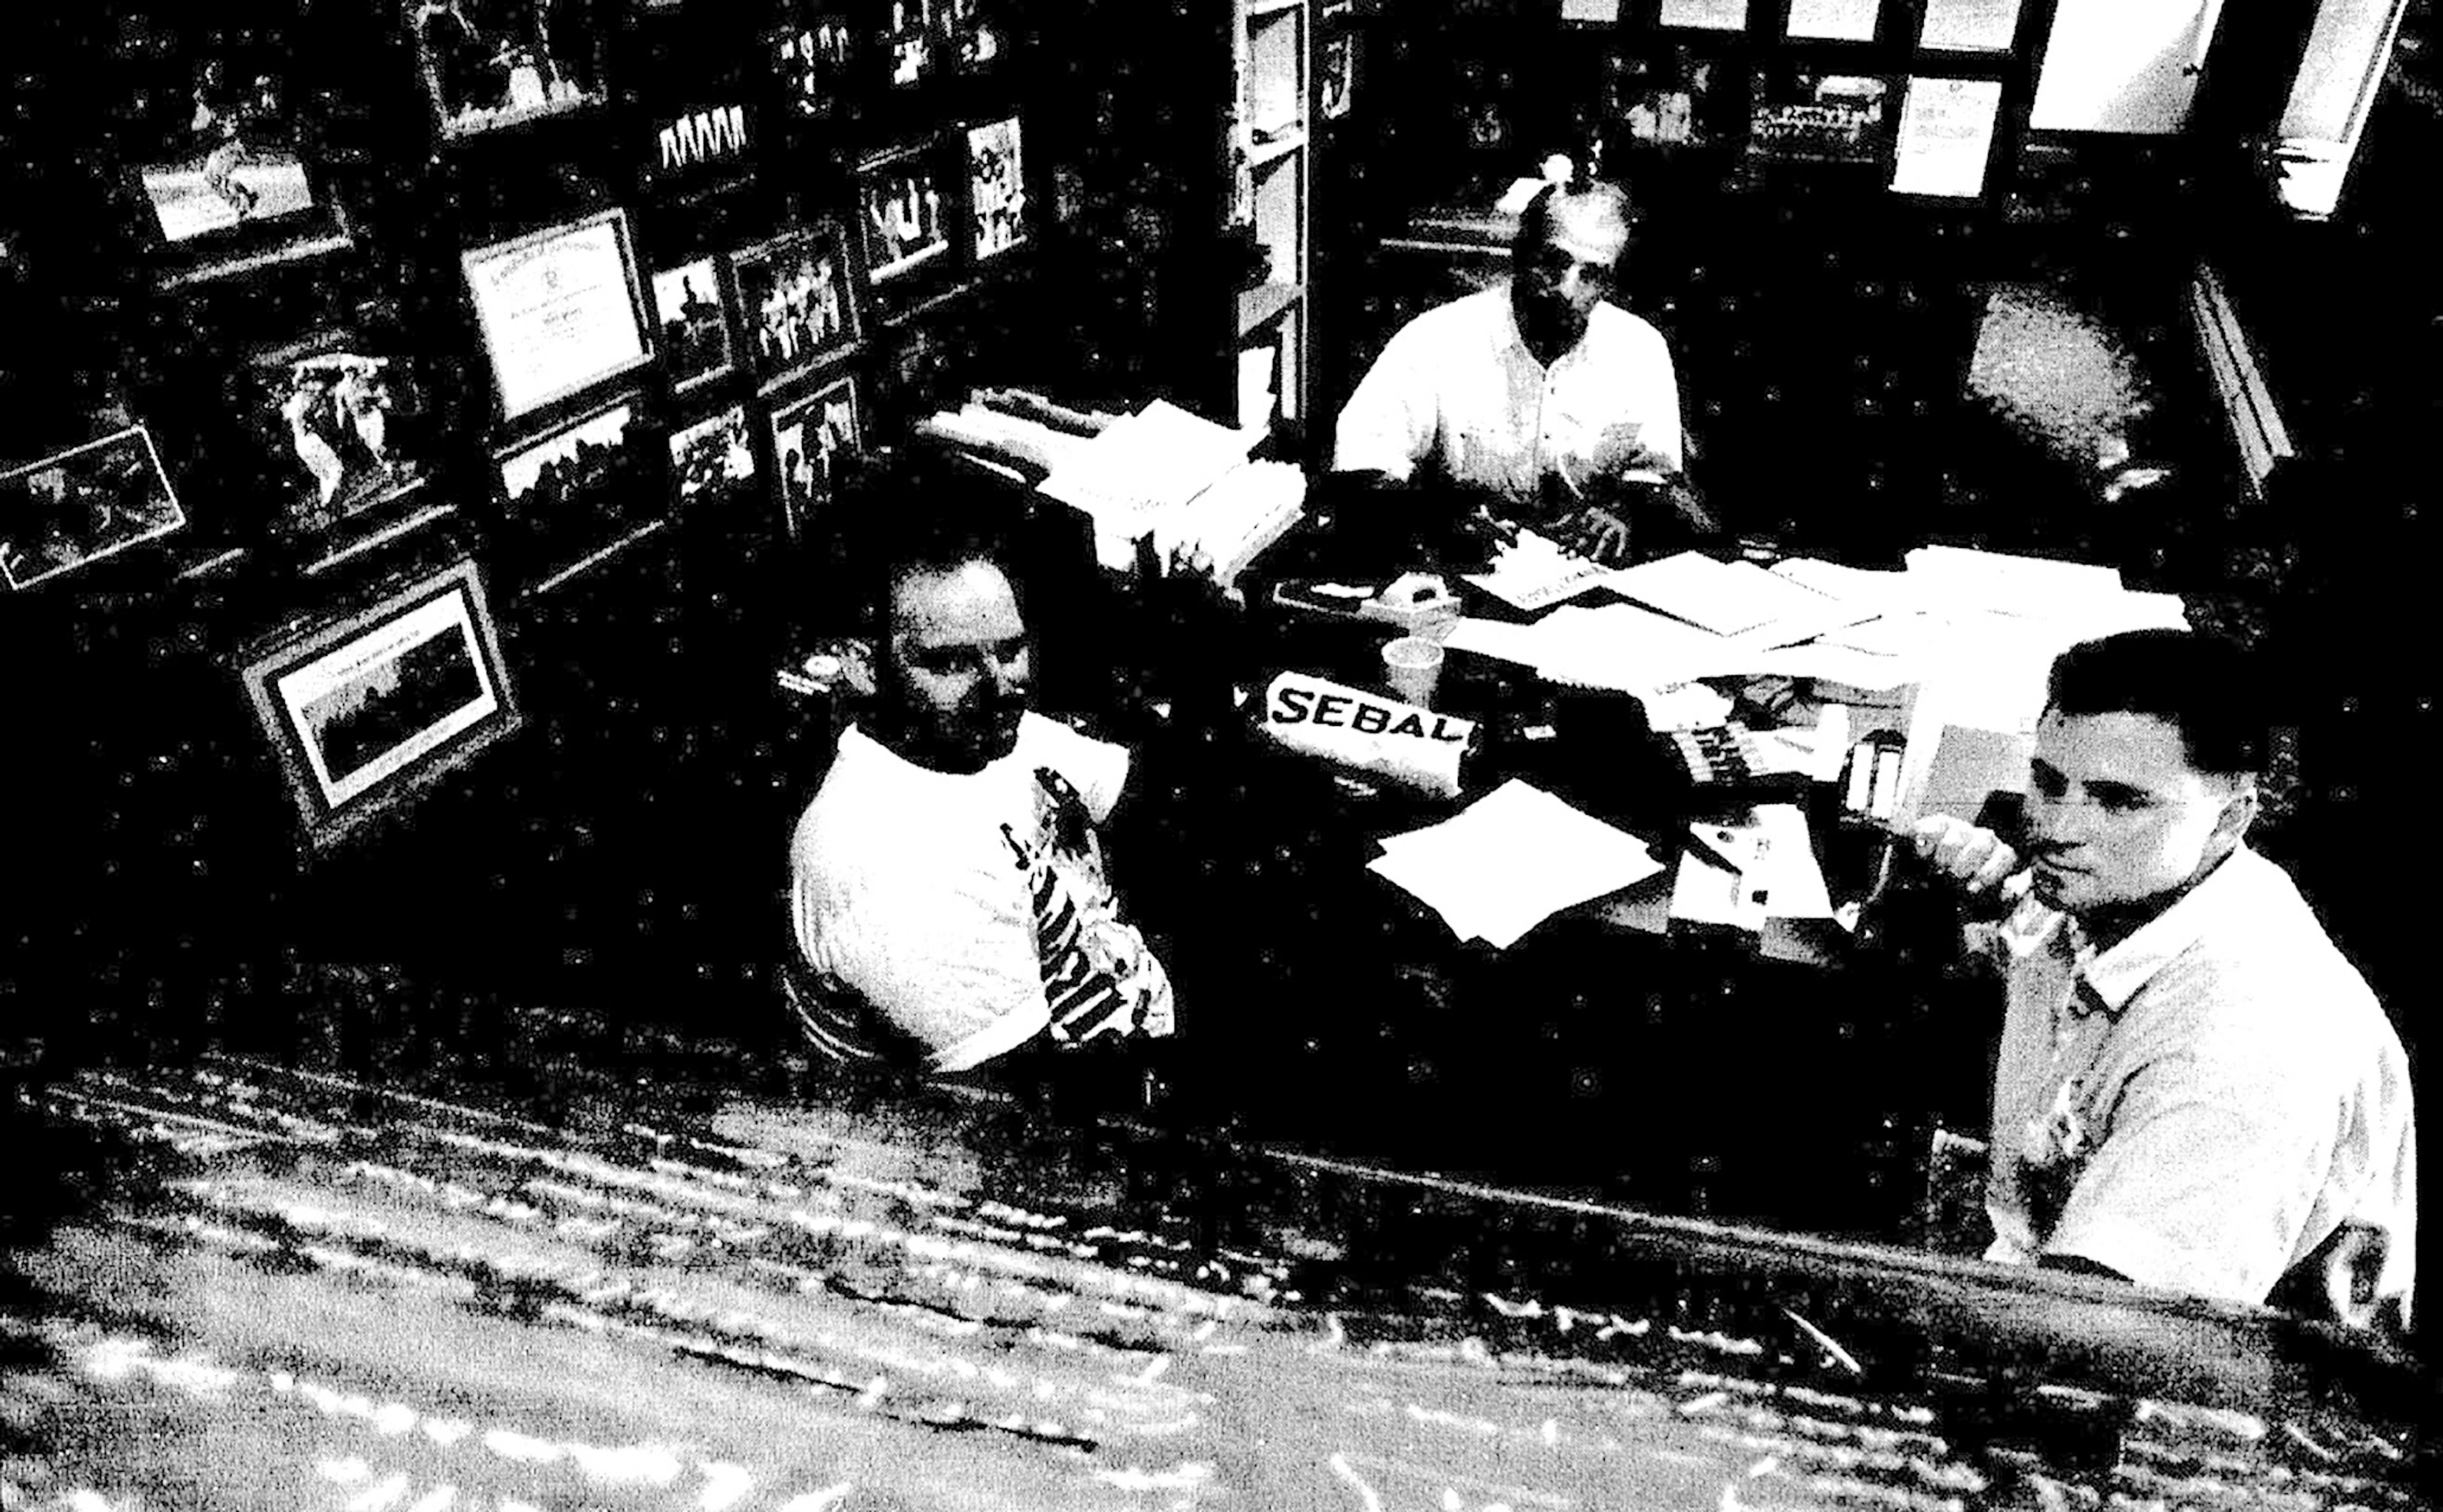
[[1368, 732]]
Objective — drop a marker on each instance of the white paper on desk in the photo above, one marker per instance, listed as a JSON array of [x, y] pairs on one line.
[[1788, 881], [1495, 638], [1624, 648], [1733, 598], [1703, 893], [1157, 459], [1830, 661], [1946, 136], [1510, 861], [1533, 572]]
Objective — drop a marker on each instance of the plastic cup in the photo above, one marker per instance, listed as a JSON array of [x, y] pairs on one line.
[[1412, 666]]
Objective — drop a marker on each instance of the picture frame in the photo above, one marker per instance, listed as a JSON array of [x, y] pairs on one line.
[[491, 66], [693, 148], [1672, 97], [997, 200], [219, 141], [913, 41], [797, 301], [813, 60], [577, 492], [86, 505], [344, 428], [976, 34], [1826, 117], [904, 211], [367, 708], [562, 311], [712, 463], [692, 324], [1336, 81], [811, 436]]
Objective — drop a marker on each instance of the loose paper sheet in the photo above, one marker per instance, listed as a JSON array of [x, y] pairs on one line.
[[1946, 136]]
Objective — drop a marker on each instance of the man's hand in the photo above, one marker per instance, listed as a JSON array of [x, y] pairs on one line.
[[1977, 859], [1596, 533]]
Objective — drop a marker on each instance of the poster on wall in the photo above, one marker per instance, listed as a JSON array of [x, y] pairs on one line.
[[561, 311], [369, 707], [217, 131], [995, 187], [346, 425], [904, 210], [812, 438], [490, 64], [796, 301], [577, 493], [84, 505]]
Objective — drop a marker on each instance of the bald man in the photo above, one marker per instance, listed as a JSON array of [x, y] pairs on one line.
[[1541, 398]]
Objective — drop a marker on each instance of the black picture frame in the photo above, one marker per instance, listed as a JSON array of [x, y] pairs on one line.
[[906, 210], [714, 468], [221, 139], [70, 510], [578, 268], [577, 492], [492, 66], [370, 706], [343, 429], [797, 301], [814, 61], [1825, 117], [997, 214], [693, 325], [696, 148], [912, 43], [811, 434]]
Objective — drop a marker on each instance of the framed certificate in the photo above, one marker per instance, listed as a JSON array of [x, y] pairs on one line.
[[561, 311], [369, 707]]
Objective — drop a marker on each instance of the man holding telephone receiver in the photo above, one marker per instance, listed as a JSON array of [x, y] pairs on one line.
[[1539, 401], [2195, 1091]]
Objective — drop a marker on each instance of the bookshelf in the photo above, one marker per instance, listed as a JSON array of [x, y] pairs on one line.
[[1272, 192]]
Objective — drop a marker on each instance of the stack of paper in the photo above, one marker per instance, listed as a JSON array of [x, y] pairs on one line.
[[1131, 478], [1511, 860], [1735, 599], [1533, 572], [1233, 521]]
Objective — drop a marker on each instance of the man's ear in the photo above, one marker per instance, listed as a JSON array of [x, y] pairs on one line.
[[2238, 813]]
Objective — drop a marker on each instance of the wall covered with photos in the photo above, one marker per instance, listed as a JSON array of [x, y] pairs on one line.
[[419, 440]]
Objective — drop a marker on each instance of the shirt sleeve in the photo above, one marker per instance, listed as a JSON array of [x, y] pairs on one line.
[[955, 968], [1663, 435], [1098, 769], [1388, 424], [2204, 1181]]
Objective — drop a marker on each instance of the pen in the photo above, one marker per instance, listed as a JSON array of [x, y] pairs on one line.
[[1707, 853]]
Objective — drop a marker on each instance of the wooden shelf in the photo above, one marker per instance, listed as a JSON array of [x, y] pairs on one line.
[[1260, 9], [1264, 154], [1265, 303]]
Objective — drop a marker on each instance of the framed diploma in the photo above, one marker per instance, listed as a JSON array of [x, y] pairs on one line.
[[371, 707], [561, 311], [1946, 137], [996, 189]]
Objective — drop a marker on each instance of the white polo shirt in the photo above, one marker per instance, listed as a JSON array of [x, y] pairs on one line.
[[1458, 385], [2203, 1106]]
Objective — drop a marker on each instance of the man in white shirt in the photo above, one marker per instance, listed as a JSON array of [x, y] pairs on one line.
[[2196, 1090], [1560, 406], [947, 891]]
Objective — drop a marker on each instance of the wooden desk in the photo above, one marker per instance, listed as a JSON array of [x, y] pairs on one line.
[[247, 1286]]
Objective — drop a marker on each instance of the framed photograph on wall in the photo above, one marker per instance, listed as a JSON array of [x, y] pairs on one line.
[[83, 505], [368, 708], [812, 437], [975, 33], [913, 41], [1338, 80], [904, 207], [811, 57], [797, 301], [1810, 115], [576, 494], [996, 189], [713, 462], [560, 311], [346, 427], [694, 323], [218, 136], [490, 65], [699, 147]]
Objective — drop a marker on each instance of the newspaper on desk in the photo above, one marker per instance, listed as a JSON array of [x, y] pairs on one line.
[[1511, 860]]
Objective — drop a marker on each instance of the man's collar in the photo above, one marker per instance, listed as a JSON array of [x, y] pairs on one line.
[[2114, 975]]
